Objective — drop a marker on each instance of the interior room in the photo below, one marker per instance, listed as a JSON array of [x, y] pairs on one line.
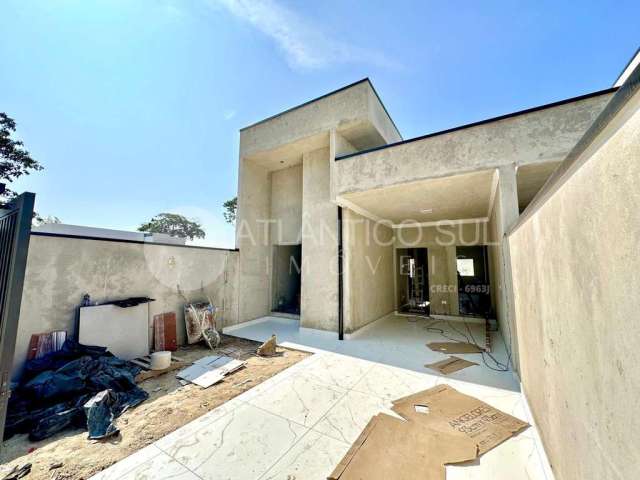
[[287, 267]]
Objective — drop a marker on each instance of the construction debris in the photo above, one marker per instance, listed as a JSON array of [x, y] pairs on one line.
[[145, 364], [18, 472], [164, 332], [43, 343], [54, 389], [268, 348], [454, 347], [198, 317], [210, 370], [440, 426], [450, 365]]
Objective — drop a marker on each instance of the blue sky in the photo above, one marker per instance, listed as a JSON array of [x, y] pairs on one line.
[[134, 106]]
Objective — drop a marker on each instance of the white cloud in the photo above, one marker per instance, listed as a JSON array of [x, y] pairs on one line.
[[229, 114], [303, 43]]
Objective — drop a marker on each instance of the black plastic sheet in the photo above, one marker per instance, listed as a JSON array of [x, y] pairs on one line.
[[54, 389]]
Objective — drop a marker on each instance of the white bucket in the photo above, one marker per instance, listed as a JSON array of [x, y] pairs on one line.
[[160, 360]]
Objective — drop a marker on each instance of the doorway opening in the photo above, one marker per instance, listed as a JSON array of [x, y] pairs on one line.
[[473, 281], [413, 281], [287, 265]]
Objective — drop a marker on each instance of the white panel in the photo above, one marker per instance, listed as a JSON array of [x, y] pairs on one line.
[[124, 331]]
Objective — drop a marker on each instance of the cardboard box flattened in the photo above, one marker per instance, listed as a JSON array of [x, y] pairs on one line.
[[454, 347], [390, 448], [453, 412], [450, 365]]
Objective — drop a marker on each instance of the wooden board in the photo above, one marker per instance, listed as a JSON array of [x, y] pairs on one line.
[[164, 332], [145, 364]]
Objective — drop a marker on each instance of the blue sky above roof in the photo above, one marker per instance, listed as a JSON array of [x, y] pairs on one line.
[[134, 107]]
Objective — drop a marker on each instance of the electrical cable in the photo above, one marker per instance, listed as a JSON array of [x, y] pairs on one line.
[[499, 366]]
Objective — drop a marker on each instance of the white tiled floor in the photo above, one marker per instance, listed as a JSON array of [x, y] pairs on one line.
[[299, 424]]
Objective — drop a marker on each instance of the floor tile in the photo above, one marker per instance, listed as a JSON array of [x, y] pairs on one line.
[[146, 463], [392, 383], [337, 370], [240, 445], [350, 415], [299, 399], [313, 458]]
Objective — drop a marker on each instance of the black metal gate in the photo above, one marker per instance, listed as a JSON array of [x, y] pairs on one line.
[[15, 228]]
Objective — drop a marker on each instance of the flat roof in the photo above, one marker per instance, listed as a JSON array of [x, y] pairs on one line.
[[482, 122], [366, 79]]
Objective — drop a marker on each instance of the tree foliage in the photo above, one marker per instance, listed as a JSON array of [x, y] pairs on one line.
[[173, 224], [230, 207], [15, 160]]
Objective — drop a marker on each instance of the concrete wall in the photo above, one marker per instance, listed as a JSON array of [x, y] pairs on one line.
[[286, 205], [542, 136], [576, 273], [319, 300], [369, 270], [350, 106], [443, 234], [253, 238], [503, 216], [60, 270]]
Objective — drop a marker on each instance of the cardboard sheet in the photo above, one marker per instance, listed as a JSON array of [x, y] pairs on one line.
[[452, 412], [450, 365], [454, 347], [441, 426], [390, 448]]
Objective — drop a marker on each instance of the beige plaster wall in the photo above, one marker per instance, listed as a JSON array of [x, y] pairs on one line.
[[253, 239], [503, 216], [352, 106], [443, 234], [60, 270], [319, 295], [541, 136], [576, 274], [369, 270], [286, 205]]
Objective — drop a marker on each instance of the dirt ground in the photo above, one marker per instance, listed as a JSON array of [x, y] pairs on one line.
[[170, 405]]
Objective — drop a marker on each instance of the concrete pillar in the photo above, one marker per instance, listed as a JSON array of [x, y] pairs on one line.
[[452, 265], [252, 238], [508, 213], [319, 293]]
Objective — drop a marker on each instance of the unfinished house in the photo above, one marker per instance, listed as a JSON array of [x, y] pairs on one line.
[[511, 242], [342, 221]]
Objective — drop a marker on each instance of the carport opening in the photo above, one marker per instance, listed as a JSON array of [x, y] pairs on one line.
[[473, 281], [287, 264], [413, 285]]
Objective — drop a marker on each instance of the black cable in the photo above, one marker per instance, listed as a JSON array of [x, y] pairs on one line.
[[499, 366]]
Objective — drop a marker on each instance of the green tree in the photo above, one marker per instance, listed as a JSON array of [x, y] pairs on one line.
[[38, 220], [174, 225], [230, 207], [15, 160]]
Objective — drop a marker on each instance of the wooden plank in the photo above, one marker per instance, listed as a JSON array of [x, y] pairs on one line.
[[145, 375], [164, 332], [146, 366]]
